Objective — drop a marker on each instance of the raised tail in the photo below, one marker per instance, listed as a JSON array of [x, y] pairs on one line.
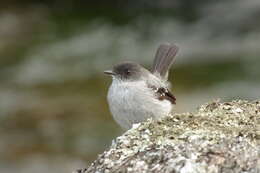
[[164, 58]]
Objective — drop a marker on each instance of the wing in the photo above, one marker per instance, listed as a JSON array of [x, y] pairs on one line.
[[164, 94], [164, 58]]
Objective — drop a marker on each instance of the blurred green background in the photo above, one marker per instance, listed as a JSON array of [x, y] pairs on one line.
[[53, 111]]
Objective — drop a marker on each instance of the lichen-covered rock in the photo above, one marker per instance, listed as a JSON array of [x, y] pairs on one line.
[[219, 137]]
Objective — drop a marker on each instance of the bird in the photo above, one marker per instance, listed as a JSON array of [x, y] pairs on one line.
[[137, 94]]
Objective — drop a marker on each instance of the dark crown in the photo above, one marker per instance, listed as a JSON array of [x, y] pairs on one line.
[[128, 70]]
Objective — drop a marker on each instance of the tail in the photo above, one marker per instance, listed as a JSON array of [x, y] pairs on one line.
[[164, 58]]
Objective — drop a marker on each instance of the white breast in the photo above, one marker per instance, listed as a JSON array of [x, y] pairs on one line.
[[133, 102]]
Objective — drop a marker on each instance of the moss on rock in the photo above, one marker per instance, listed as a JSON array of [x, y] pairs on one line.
[[219, 137]]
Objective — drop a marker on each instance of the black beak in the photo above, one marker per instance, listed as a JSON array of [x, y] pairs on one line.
[[109, 72]]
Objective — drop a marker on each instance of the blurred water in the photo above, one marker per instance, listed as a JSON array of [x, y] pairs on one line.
[[53, 94]]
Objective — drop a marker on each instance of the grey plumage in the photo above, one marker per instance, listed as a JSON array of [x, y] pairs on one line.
[[164, 58], [137, 94]]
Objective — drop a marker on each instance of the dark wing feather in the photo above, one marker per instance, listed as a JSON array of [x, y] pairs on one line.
[[164, 94], [164, 58]]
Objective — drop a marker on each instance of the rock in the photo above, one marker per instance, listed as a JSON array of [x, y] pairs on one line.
[[219, 137]]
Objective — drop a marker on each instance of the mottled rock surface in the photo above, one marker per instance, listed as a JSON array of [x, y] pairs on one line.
[[219, 137]]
